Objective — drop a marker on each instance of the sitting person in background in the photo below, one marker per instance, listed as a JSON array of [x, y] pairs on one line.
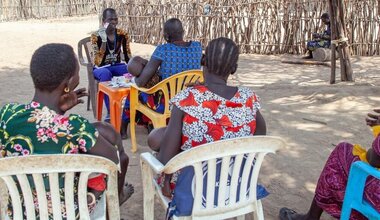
[[332, 183], [168, 59], [107, 44], [320, 40], [206, 113], [41, 127]]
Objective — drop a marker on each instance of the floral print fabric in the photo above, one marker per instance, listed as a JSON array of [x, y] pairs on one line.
[[332, 183], [36, 129], [209, 117]]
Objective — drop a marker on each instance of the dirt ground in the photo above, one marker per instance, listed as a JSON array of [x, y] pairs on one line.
[[298, 103]]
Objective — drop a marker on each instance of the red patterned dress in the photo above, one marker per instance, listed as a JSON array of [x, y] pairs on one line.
[[209, 117]]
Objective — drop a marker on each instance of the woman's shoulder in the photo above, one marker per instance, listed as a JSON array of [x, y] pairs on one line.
[[195, 44], [12, 107], [245, 91], [187, 93]]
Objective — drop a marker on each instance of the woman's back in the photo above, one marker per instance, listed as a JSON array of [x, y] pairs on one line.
[[209, 117], [178, 58], [36, 129]]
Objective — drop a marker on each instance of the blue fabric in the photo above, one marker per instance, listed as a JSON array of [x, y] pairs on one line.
[[314, 44], [182, 202], [106, 73], [176, 59]]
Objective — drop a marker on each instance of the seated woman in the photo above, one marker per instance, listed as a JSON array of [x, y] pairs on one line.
[[170, 58], [41, 127], [331, 187], [108, 43], [320, 40], [209, 112]]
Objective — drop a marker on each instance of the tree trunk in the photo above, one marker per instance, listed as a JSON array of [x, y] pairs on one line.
[[338, 32], [333, 47]]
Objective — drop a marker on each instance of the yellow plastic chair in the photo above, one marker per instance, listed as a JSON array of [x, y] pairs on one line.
[[169, 87]]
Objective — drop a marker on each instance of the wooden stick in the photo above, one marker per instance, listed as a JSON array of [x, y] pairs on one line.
[[306, 62]]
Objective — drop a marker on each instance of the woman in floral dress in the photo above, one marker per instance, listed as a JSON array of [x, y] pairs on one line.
[[40, 127], [206, 113]]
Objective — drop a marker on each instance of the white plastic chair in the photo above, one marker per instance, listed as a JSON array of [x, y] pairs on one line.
[[252, 148], [70, 165]]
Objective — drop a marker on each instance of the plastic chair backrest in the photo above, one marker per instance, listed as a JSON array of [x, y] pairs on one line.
[[353, 198], [171, 86], [88, 62], [251, 149], [86, 44], [30, 169]]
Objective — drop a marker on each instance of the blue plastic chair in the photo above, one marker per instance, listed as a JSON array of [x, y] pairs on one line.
[[353, 198]]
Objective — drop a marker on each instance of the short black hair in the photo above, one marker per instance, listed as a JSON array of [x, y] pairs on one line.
[[110, 10], [325, 15], [51, 64], [221, 56], [173, 27]]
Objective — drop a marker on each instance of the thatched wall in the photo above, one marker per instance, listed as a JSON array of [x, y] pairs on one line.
[[26, 9], [257, 26]]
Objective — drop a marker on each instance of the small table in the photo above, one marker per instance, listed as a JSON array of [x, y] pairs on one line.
[[116, 96]]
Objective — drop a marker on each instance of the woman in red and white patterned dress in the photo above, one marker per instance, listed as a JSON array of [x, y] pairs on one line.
[[209, 112]]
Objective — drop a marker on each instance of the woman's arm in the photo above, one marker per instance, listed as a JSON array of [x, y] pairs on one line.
[[149, 70], [171, 141], [261, 127]]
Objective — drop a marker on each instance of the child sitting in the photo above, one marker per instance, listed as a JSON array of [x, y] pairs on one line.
[[136, 65]]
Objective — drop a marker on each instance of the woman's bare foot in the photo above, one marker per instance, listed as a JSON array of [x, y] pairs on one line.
[[126, 194]]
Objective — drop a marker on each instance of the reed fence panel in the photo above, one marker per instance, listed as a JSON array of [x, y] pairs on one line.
[[257, 26]]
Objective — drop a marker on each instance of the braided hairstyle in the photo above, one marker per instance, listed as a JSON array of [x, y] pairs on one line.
[[221, 57]]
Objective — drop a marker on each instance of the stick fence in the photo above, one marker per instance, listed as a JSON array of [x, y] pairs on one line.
[[257, 26]]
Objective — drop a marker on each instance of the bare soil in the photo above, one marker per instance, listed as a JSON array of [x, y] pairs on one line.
[[298, 103]]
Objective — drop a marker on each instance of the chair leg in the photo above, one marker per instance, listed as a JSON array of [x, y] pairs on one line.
[[148, 191], [258, 214], [132, 127], [88, 99]]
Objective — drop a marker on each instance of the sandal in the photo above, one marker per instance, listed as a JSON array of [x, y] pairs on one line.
[[286, 213]]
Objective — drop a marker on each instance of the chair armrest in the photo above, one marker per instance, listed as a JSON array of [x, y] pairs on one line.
[[154, 89], [152, 161]]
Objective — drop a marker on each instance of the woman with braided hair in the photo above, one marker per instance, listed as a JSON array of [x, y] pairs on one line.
[[206, 113]]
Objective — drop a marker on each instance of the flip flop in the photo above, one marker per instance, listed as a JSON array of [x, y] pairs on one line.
[[286, 213]]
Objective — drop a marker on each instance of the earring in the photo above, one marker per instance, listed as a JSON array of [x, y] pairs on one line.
[[67, 89]]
